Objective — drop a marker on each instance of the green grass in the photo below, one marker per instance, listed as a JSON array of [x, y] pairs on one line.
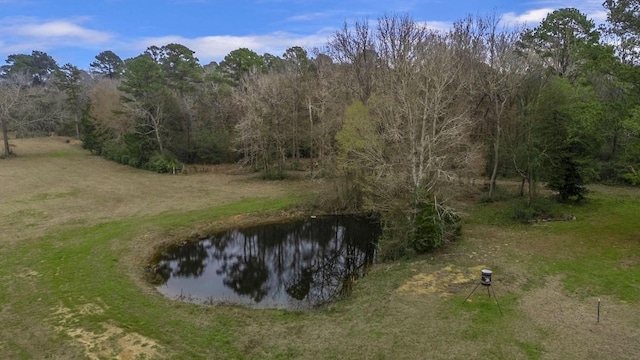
[[595, 255], [60, 154], [50, 196], [604, 244], [250, 206], [595, 276], [81, 266], [26, 218], [533, 351]]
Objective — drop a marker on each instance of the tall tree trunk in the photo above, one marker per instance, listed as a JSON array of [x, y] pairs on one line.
[[614, 146], [156, 120], [157, 132], [311, 137], [77, 127], [295, 141], [5, 138], [496, 156]]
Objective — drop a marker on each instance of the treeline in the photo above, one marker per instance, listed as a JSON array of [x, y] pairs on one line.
[[395, 111]]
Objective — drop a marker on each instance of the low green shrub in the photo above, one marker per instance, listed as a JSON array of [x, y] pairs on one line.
[[163, 163], [273, 174], [433, 226], [500, 193], [632, 177], [540, 208]]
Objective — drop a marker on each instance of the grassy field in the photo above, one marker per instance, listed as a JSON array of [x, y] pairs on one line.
[[76, 233]]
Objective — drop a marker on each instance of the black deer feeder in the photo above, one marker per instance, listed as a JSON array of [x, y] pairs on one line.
[[485, 280]]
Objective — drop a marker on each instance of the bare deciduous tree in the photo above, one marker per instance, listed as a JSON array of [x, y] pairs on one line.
[[26, 108], [263, 127], [10, 95], [325, 103], [417, 128], [355, 51], [499, 80], [107, 112]]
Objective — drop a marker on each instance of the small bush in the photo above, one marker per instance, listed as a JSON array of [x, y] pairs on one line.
[[540, 208], [434, 225], [113, 150], [349, 196], [273, 174], [128, 153], [632, 178], [392, 247], [522, 212], [500, 193], [213, 147], [612, 173], [297, 166], [163, 163]]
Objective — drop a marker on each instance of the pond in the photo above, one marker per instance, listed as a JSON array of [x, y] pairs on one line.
[[295, 265]]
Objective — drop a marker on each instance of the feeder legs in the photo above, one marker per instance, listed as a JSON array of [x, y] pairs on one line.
[[474, 289]]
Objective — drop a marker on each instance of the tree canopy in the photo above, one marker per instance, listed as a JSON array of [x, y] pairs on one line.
[[107, 64], [562, 40], [39, 66], [392, 112]]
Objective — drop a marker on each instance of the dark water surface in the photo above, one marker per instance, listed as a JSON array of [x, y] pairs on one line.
[[295, 265]]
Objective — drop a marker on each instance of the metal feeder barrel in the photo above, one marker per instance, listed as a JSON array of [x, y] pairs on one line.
[[485, 279]]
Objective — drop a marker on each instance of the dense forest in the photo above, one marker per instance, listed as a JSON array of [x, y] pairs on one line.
[[393, 111]]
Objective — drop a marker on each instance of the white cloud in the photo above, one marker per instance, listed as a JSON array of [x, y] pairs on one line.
[[215, 48], [598, 16], [308, 17], [25, 34], [443, 26], [592, 8], [63, 30], [61, 38], [531, 17], [21, 30]]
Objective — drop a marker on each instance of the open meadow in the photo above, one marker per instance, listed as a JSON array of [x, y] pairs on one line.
[[77, 231]]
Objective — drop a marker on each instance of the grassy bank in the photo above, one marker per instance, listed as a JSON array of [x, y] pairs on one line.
[[79, 230], [79, 282]]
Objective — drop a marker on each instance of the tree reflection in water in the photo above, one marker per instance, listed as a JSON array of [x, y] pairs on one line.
[[295, 265]]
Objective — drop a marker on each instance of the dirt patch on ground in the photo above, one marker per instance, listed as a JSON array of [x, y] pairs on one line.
[[110, 342], [572, 329], [444, 281]]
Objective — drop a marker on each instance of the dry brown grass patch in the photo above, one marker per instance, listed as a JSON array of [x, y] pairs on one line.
[[112, 342], [40, 191], [444, 281]]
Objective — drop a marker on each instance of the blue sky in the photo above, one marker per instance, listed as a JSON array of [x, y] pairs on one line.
[[75, 31]]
